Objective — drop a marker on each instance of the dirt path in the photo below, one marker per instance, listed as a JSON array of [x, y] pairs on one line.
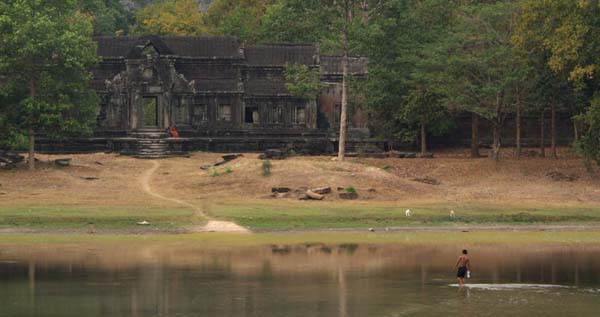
[[211, 226]]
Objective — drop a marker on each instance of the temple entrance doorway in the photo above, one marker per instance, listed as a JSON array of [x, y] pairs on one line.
[[150, 112]]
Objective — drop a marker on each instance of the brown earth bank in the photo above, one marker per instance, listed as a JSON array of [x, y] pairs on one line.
[[117, 180], [450, 178]]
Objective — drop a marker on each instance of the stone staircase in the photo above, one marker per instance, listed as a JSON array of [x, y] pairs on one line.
[[151, 144]]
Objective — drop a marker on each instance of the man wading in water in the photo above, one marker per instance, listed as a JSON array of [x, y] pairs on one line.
[[463, 266]]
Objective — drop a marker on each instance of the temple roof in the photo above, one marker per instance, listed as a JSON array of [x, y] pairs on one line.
[[187, 46], [281, 54], [208, 47], [332, 64]]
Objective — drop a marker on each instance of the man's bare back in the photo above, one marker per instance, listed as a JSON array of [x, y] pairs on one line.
[[463, 260], [463, 265]]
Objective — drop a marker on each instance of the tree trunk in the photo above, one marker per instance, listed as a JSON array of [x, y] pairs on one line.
[[542, 137], [423, 138], [575, 131], [518, 131], [31, 159], [553, 131], [344, 110], [474, 135], [495, 153]]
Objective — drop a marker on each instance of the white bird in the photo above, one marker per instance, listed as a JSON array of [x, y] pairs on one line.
[[408, 213], [452, 213]]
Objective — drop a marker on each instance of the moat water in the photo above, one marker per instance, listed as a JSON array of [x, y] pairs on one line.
[[299, 280]]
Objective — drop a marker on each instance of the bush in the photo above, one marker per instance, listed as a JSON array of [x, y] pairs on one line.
[[215, 173], [351, 189], [229, 170], [266, 168], [589, 144]]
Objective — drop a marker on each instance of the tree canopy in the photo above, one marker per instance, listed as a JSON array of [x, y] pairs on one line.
[[46, 52]]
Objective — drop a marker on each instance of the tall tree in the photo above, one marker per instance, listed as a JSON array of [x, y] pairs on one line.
[[170, 17], [240, 18], [403, 97], [302, 21], [482, 65], [563, 34], [109, 17], [46, 46]]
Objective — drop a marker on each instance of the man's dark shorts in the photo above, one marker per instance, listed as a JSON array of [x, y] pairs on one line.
[[462, 272]]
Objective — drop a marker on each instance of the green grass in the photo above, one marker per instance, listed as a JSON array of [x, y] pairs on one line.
[[314, 215], [99, 217], [292, 215]]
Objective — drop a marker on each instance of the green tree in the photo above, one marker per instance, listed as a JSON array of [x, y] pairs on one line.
[[109, 17], [303, 81], [334, 23], [482, 67], [301, 21], [240, 18], [589, 144], [403, 95], [170, 17], [563, 36], [45, 53]]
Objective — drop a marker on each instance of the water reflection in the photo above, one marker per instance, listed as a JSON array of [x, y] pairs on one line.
[[295, 280]]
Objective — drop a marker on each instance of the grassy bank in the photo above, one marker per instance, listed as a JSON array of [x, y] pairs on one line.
[[288, 215], [275, 215], [98, 217]]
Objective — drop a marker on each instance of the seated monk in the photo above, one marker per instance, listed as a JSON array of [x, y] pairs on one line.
[[173, 131]]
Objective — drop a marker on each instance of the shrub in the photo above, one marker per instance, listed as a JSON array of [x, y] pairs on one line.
[[229, 170], [215, 173], [350, 189], [266, 168]]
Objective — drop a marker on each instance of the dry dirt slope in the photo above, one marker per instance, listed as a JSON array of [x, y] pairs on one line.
[[461, 180]]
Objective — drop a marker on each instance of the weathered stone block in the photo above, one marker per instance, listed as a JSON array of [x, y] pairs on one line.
[[348, 195]]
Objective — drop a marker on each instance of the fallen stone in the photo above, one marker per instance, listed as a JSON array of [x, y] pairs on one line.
[[410, 155], [90, 178], [220, 163], [231, 157], [427, 180], [99, 163], [371, 230], [11, 158], [280, 190], [348, 196], [426, 155], [62, 162], [273, 154], [372, 190], [396, 155], [143, 223], [301, 189], [341, 189], [205, 167], [313, 195], [322, 190], [561, 177]]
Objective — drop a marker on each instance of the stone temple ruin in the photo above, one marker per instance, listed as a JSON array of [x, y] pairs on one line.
[[221, 96], [226, 97]]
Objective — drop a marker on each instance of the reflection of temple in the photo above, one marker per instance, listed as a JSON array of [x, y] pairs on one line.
[[220, 95]]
